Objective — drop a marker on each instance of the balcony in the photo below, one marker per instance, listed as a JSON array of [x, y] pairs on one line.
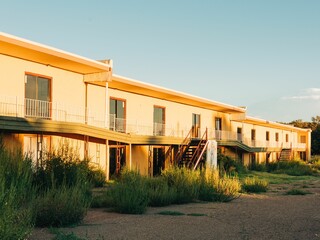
[[55, 111], [233, 136]]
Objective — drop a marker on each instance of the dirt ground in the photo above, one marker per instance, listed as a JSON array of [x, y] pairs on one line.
[[272, 215]]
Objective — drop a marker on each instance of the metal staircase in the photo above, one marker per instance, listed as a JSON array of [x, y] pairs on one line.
[[191, 151], [285, 154]]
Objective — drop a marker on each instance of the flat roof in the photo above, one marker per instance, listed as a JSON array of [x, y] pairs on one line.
[[266, 123], [39, 53], [146, 89]]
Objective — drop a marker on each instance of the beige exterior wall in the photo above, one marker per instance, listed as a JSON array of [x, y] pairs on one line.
[[140, 159], [139, 111], [260, 134], [67, 90], [66, 87], [96, 103]]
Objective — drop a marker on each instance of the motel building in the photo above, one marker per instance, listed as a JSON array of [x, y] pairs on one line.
[[49, 96]]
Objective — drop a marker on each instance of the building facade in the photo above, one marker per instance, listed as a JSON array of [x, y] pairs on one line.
[[48, 96]]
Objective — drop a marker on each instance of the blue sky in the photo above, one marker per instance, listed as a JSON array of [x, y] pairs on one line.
[[261, 54]]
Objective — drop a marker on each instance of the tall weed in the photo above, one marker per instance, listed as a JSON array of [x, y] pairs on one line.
[[130, 193], [254, 185], [16, 195], [62, 206], [293, 168], [218, 187], [185, 183], [160, 194]]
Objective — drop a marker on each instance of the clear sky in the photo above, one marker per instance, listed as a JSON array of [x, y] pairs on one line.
[[261, 54]]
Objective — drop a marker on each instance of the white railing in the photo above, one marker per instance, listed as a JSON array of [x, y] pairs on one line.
[[233, 136], [31, 108], [37, 108], [159, 129]]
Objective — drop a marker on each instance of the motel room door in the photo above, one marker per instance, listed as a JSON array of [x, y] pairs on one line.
[[117, 160], [158, 160], [196, 125]]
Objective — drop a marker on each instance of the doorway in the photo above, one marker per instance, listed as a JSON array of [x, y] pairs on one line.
[[196, 125], [117, 160], [158, 160]]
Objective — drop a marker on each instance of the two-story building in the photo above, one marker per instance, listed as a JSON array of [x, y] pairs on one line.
[[48, 96]]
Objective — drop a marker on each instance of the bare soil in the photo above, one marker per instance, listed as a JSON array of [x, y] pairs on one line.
[[272, 215]]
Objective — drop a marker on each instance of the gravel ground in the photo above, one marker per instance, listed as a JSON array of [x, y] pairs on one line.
[[272, 215]]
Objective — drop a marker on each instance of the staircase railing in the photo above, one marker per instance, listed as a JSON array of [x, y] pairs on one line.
[[200, 156], [198, 153], [168, 155], [183, 146]]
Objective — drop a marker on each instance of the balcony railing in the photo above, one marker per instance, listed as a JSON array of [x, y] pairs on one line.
[[31, 108], [233, 136]]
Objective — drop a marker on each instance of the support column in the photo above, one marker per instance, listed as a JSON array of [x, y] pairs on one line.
[[107, 102], [130, 156], [107, 160]]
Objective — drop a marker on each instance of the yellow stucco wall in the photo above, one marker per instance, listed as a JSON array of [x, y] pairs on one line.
[[67, 87], [140, 159], [139, 110]]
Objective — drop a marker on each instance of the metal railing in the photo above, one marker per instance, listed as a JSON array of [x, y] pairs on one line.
[[233, 136], [30, 108]]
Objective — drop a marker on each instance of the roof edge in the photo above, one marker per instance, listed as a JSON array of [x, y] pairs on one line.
[[177, 93], [53, 51]]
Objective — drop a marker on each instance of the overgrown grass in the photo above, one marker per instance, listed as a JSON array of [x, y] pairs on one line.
[[214, 187], [229, 165], [273, 178], [132, 193], [254, 185], [315, 163], [16, 195], [293, 168], [62, 206], [56, 193], [184, 182], [64, 188], [160, 193]]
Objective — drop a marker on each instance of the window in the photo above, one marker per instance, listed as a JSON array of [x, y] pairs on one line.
[[158, 121], [239, 134], [37, 96], [287, 137], [277, 137], [267, 136], [218, 124], [117, 115], [253, 134]]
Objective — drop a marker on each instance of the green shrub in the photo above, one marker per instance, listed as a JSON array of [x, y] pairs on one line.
[[96, 176], [217, 187], [258, 167], [16, 195], [185, 183], [297, 192], [229, 165], [62, 206], [64, 188], [130, 193], [254, 185], [102, 200], [64, 166], [314, 163], [293, 168], [160, 194]]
